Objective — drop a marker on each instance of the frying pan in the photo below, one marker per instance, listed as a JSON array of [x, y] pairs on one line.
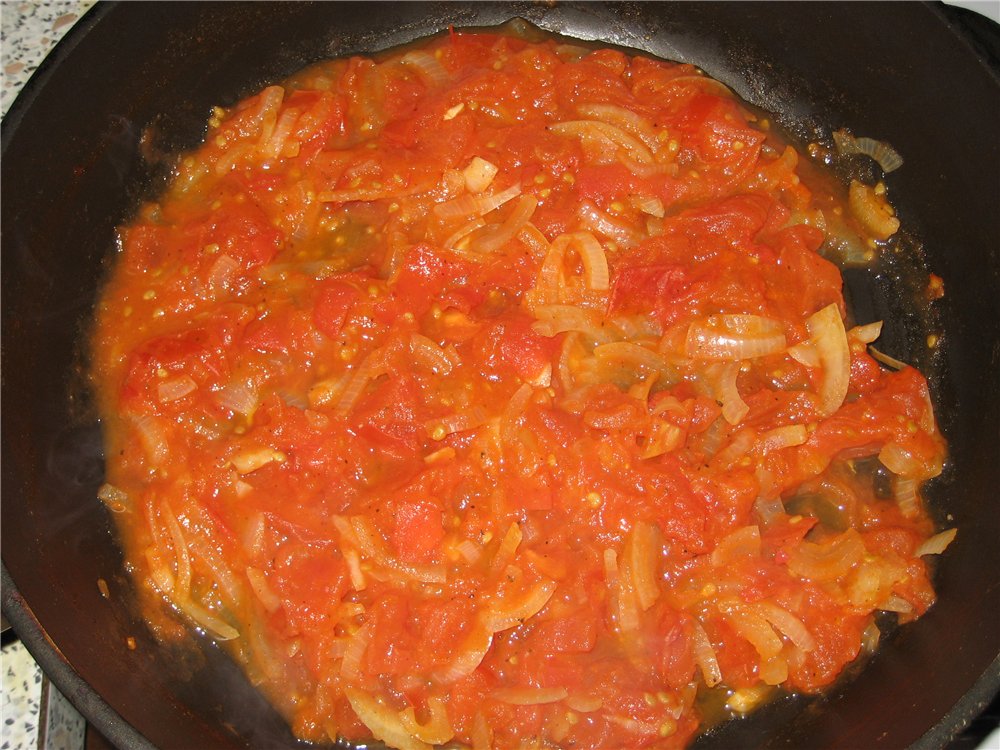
[[132, 84]]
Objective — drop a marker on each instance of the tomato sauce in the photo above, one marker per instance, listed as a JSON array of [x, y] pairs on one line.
[[499, 393]]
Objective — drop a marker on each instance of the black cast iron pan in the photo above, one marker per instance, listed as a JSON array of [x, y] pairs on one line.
[[133, 83]]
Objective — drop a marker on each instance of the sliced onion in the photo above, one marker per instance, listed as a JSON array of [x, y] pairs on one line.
[[479, 174], [596, 220], [532, 236], [222, 273], [275, 145], [505, 615], [874, 212], [153, 439], [901, 461], [631, 356], [469, 419], [471, 655], [885, 155], [937, 543], [267, 113], [372, 546], [508, 546], [704, 656], [463, 231], [427, 353], [262, 589], [175, 388], [787, 624], [743, 542], [602, 131], [212, 625], [734, 337], [826, 330], [366, 194], [648, 205], [642, 552], [734, 408], [805, 354], [556, 319], [250, 460], [626, 119], [357, 644], [505, 232], [117, 500], [829, 560], [782, 437], [595, 262], [382, 721], [469, 206], [904, 492], [437, 730], [239, 396], [427, 66], [866, 334]]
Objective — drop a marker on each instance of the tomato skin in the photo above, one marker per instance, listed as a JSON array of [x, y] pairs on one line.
[[417, 532], [605, 183], [334, 302], [513, 345], [390, 416], [567, 635], [676, 662], [391, 649]]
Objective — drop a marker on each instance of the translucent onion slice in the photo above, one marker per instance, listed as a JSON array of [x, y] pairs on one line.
[[479, 174], [648, 205], [596, 220], [635, 148], [383, 722], [357, 644], [262, 589], [116, 499], [787, 624], [374, 548], [175, 388], [153, 439], [508, 546], [426, 66], [872, 210], [556, 319], [734, 337], [642, 553], [471, 655], [427, 353], [826, 331], [595, 262], [626, 119], [437, 730], [214, 626], [469, 206], [866, 334], [504, 615], [704, 656], [782, 437], [937, 543], [734, 408], [501, 234], [885, 155]]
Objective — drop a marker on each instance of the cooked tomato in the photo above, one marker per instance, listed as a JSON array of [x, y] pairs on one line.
[[496, 393]]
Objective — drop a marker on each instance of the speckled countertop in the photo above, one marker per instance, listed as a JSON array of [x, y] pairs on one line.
[[28, 31], [34, 715]]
